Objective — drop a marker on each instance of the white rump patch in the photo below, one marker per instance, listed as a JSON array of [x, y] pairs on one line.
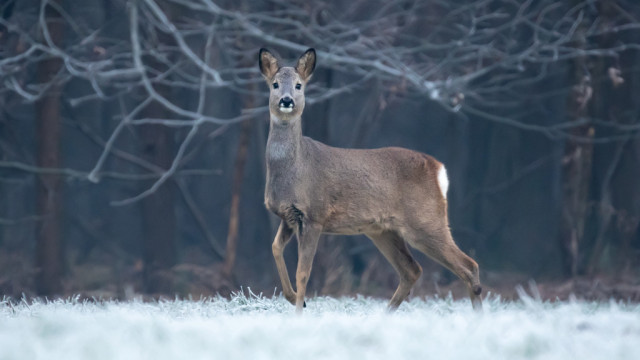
[[443, 181]]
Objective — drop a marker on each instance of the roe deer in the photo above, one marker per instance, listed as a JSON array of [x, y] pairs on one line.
[[394, 196]]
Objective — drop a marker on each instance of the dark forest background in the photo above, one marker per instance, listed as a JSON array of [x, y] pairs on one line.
[[132, 137]]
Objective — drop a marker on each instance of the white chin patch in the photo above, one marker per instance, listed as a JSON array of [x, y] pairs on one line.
[[286, 109]]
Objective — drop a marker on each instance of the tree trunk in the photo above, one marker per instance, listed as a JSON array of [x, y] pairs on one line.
[[49, 254], [158, 215], [159, 248], [577, 165], [234, 212]]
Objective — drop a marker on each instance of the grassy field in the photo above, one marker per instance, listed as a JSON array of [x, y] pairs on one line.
[[257, 327]]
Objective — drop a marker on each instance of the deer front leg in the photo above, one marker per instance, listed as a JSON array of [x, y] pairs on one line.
[[282, 238], [308, 236]]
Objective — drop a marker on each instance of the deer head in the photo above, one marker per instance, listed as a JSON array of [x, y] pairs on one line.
[[287, 84]]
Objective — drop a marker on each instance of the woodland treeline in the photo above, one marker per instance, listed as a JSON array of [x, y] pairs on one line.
[[132, 136]]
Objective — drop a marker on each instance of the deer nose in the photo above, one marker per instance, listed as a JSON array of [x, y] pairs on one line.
[[286, 102]]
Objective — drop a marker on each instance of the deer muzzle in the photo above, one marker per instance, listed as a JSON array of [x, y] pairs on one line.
[[286, 104]]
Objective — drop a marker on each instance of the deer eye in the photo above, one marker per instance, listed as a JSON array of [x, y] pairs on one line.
[[275, 85], [298, 86]]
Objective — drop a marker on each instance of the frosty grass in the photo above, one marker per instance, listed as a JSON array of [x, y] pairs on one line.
[[259, 327]]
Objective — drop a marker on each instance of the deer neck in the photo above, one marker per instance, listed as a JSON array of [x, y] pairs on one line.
[[284, 161], [284, 142]]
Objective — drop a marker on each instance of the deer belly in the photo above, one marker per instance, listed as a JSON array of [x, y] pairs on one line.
[[355, 224]]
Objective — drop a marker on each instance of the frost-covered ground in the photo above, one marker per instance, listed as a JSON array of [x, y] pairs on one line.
[[256, 327]]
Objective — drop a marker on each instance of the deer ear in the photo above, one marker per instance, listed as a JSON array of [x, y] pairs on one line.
[[306, 64], [268, 64]]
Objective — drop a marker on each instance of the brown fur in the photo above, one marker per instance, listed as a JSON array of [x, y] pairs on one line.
[[390, 194]]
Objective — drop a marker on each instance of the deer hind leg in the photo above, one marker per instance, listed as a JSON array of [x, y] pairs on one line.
[[439, 245], [395, 250], [282, 238]]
